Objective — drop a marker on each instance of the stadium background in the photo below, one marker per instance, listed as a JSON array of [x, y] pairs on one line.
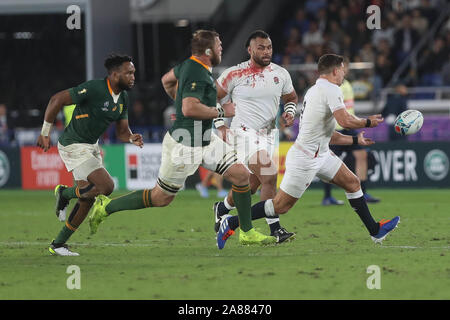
[[170, 253], [41, 55]]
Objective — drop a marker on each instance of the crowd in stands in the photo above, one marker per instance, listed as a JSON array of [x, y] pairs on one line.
[[312, 28], [339, 26]]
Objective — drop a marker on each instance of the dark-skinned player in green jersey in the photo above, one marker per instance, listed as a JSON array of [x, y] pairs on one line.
[[190, 143], [98, 103]]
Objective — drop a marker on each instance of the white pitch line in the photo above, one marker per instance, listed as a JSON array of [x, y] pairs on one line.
[[135, 244], [413, 247]]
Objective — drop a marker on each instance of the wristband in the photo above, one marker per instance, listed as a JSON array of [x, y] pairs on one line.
[[368, 123], [220, 111], [290, 108], [355, 140], [46, 128], [218, 122]]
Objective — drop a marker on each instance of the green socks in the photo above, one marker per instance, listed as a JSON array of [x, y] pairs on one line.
[[132, 201], [65, 233], [69, 193], [243, 201]]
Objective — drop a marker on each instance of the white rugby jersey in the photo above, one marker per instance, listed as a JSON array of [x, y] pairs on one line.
[[256, 93], [317, 122]]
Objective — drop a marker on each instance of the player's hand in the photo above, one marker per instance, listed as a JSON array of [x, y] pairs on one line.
[[375, 120], [224, 133], [362, 141], [229, 108], [137, 140], [288, 119], [44, 142]]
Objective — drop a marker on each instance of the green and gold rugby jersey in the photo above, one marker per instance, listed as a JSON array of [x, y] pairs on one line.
[[194, 80], [96, 109]]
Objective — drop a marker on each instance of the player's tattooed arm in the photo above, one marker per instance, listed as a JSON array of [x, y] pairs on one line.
[[170, 82]]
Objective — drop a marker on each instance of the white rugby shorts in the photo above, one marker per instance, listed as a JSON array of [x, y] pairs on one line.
[[302, 167], [81, 159], [179, 161], [248, 142]]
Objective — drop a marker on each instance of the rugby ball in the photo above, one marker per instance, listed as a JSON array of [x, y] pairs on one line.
[[408, 122]]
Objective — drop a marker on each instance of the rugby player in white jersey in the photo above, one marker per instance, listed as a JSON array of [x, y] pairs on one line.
[[310, 155], [256, 87]]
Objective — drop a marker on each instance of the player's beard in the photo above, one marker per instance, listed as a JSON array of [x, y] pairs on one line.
[[261, 62], [124, 85], [215, 59]]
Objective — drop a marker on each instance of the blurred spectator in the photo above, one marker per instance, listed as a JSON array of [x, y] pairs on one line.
[[336, 33], [169, 116], [430, 64], [428, 11], [396, 103], [446, 72], [301, 85], [4, 134], [313, 36], [299, 22], [405, 39], [313, 6], [419, 23], [346, 22], [361, 37], [367, 53], [383, 67], [138, 116], [322, 20], [385, 33]]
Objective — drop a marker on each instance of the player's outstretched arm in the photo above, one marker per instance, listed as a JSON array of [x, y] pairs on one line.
[[341, 139], [56, 103], [124, 133], [350, 121]]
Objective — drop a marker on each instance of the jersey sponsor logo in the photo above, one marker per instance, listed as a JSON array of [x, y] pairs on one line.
[[82, 91], [114, 109], [276, 80], [193, 86]]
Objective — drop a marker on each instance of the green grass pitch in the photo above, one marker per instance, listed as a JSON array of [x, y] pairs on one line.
[[170, 253]]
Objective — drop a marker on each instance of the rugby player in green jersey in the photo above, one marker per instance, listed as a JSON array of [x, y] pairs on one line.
[[98, 103], [189, 143]]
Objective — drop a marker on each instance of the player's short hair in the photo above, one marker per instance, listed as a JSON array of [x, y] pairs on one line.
[[256, 34], [202, 40], [328, 62], [114, 61]]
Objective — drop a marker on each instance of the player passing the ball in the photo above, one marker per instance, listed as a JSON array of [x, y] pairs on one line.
[[310, 155], [98, 103]]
